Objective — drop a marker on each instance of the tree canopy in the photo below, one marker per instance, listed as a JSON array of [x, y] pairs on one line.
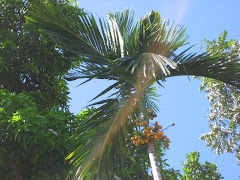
[[34, 115], [29, 59], [224, 99]]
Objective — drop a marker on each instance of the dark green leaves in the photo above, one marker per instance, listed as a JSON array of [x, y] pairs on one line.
[[29, 59], [41, 138]]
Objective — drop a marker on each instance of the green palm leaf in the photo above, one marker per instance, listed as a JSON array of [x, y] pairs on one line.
[[222, 67], [95, 159], [74, 29]]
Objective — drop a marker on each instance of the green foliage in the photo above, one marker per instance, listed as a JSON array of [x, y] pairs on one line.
[[29, 60], [35, 143], [221, 44], [34, 132], [225, 101], [194, 170], [135, 163]]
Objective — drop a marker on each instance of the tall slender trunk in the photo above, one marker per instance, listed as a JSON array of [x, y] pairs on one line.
[[152, 156], [153, 161]]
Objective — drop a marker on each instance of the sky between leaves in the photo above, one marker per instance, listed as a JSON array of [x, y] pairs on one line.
[[180, 102]]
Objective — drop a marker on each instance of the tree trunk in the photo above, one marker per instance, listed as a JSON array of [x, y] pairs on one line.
[[116, 177], [153, 161], [15, 170], [152, 156]]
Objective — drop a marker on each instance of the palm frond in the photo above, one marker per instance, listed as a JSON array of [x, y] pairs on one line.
[[156, 45], [223, 67], [107, 90], [127, 28], [102, 45], [150, 97], [74, 29], [95, 159]]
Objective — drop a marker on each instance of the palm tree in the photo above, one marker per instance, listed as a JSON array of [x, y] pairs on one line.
[[135, 55]]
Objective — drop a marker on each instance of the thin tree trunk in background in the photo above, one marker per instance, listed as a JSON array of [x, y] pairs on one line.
[[153, 161], [18, 177], [116, 177]]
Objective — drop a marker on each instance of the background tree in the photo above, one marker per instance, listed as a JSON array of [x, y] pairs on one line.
[[136, 164], [193, 169], [29, 60], [34, 116], [225, 100], [134, 55], [34, 143]]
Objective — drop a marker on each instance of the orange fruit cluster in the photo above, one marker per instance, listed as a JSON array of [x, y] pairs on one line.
[[148, 131]]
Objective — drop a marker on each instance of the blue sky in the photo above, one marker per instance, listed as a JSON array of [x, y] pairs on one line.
[[180, 102]]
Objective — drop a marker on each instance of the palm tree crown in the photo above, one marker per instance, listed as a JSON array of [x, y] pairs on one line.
[[133, 54]]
